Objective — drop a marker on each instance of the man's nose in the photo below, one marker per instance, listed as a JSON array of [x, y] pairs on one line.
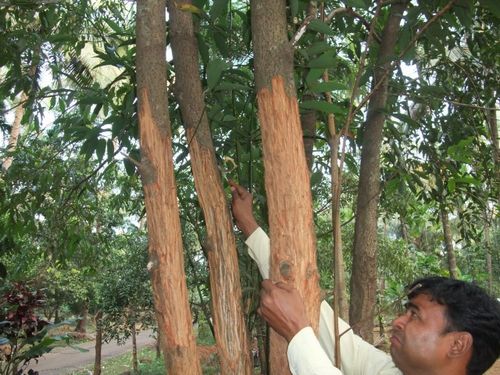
[[400, 321]]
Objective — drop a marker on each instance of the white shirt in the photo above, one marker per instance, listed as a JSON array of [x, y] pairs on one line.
[[311, 355]]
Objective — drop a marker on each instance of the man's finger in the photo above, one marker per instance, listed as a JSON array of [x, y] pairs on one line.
[[240, 189], [267, 285], [284, 286]]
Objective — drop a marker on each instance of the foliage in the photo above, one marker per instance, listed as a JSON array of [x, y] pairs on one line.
[[23, 334], [71, 204]]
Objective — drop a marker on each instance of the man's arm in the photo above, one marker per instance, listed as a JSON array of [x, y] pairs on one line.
[[358, 357]]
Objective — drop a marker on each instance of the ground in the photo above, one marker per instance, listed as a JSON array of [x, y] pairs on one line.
[[65, 360]]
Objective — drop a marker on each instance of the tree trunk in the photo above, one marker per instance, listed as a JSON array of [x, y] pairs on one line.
[[293, 256], [229, 324], [158, 345], [448, 242], [491, 116], [15, 130], [488, 250], [98, 343], [308, 122], [81, 326], [157, 171], [364, 269], [135, 364]]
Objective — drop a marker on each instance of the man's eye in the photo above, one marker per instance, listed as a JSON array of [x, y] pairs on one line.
[[413, 314]]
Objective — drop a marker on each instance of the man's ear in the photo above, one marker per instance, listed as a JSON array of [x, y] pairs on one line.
[[461, 344]]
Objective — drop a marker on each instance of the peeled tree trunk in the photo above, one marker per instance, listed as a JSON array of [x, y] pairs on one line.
[[157, 171], [229, 324], [364, 268], [293, 252]]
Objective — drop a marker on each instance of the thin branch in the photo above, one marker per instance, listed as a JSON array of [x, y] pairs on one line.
[[349, 11], [302, 29]]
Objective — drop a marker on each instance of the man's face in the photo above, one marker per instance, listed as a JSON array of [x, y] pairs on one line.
[[418, 340]]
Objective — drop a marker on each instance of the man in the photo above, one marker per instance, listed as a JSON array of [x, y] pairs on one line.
[[450, 327]]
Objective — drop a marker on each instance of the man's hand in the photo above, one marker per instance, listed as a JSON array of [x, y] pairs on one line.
[[241, 206], [282, 307]]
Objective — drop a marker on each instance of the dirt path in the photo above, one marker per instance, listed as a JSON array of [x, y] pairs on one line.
[[65, 360]]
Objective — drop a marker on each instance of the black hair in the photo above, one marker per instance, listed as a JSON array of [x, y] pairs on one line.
[[470, 309]]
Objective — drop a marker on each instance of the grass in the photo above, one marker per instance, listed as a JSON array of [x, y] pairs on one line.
[[148, 364]]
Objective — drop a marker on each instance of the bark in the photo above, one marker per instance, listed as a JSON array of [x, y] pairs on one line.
[[448, 242], [158, 346], [491, 116], [293, 256], [488, 250], [364, 270], [135, 364], [98, 344], [157, 171], [15, 130], [229, 324], [308, 122], [81, 326]]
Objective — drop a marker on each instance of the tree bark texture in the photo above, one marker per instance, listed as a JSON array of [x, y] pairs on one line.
[[135, 363], [15, 130], [293, 253], [229, 324], [98, 344], [364, 270], [81, 326], [488, 251], [157, 171], [448, 243], [308, 122]]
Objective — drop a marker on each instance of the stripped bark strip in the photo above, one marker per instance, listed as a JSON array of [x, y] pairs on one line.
[[157, 172], [220, 245]]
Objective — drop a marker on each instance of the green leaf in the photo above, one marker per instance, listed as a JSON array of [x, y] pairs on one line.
[[451, 185], [320, 27], [355, 3], [113, 25], [321, 87], [89, 146], [110, 149], [325, 60], [218, 8], [317, 48], [323, 107], [129, 167], [229, 86], [214, 72], [313, 76], [468, 180], [316, 178], [221, 42], [100, 148]]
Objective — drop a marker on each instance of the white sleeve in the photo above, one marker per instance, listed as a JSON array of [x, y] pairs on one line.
[[306, 357], [358, 356], [259, 249]]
